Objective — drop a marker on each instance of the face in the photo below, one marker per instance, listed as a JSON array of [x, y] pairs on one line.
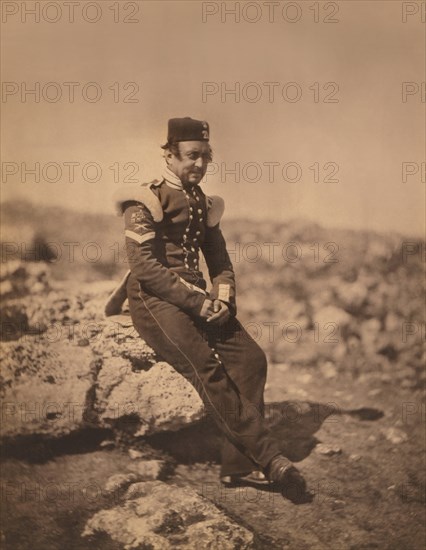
[[191, 167]]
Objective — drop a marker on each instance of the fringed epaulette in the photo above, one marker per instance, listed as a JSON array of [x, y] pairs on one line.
[[139, 193], [215, 210]]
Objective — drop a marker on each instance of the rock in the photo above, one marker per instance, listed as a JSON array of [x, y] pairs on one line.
[[379, 248], [291, 354], [351, 295], [52, 343], [355, 457], [407, 372], [328, 370], [38, 287], [392, 322], [282, 367], [149, 470], [14, 321], [161, 517], [134, 454], [337, 504], [396, 436], [334, 315], [295, 312], [120, 481], [107, 444], [327, 450], [324, 297], [118, 338], [5, 288], [340, 351], [370, 332], [20, 278], [84, 342], [151, 401], [408, 384], [48, 394], [9, 268]]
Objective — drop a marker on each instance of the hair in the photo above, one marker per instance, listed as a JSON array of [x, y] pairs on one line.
[[173, 147]]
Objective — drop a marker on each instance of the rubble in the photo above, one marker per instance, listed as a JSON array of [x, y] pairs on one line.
[[159, 516]]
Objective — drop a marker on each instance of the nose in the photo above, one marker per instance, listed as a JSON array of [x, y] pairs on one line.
[[199, 162]]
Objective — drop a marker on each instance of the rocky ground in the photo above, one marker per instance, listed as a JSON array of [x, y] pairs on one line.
[[105, 446]]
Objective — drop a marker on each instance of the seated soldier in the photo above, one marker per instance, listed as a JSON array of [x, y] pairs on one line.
[[167, 224]]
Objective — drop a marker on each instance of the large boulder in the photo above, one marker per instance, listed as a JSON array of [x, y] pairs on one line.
[[66, 367]]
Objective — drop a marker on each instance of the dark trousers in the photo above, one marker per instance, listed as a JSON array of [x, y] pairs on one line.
[[226, 367]]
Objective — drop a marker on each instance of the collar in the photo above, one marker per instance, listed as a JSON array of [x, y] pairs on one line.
[[171, 179]]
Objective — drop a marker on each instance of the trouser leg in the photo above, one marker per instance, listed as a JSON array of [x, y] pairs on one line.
[[181, 342], [245, 363]]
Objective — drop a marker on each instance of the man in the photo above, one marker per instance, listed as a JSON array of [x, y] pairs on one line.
[[167, 224]]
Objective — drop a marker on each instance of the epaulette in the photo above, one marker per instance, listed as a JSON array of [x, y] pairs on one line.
[[215, 210], [140, 193]]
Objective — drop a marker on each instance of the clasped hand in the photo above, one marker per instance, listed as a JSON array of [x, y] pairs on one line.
[[215, 311]]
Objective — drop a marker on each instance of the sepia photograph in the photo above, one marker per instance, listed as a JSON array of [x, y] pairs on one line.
[[212, 287]]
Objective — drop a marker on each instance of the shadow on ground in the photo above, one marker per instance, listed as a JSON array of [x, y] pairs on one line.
[[292, 423]]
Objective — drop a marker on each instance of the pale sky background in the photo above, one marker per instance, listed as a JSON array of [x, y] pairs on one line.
[[170, 52]]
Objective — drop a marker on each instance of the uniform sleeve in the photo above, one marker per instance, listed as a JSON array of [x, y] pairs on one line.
[[140, 232], [220, 268]]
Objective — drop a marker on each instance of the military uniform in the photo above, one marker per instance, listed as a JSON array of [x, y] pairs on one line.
[[167, 226]]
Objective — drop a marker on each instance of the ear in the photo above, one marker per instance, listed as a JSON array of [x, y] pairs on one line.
[[168, 156]]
